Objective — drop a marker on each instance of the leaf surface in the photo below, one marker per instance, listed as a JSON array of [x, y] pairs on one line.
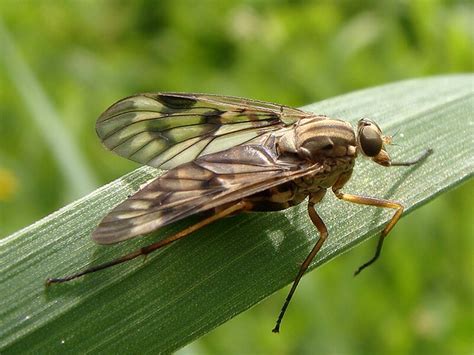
[[192, 286]]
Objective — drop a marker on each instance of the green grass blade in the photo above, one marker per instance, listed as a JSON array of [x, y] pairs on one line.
[[189, 288], [77, 172]]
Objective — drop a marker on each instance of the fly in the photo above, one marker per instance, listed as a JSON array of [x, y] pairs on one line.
[[226, 155]]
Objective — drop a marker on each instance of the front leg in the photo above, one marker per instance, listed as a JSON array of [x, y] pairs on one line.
[[377, 202], [383, 159]]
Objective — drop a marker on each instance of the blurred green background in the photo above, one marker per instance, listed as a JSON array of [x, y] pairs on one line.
[[64, 62]]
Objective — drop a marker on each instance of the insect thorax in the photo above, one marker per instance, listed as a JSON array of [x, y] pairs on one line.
[[318, 138], [319, 141]]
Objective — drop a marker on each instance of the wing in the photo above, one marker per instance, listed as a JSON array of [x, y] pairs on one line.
[[165, 130], [210, 181]]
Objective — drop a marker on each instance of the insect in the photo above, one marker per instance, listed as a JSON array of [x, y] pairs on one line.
[[227, 155]]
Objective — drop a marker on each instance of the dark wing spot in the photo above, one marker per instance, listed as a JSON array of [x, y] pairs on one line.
[[175, 101], [213, 116]]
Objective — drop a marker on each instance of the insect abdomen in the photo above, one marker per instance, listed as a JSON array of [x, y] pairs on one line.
[[277, 198]]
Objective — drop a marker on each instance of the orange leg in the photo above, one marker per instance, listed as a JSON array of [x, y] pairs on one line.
[[238, 207], [323, 233], [377, 202]]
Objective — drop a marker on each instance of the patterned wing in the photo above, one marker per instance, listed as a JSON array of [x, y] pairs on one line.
[[207, 182], [165, 130]]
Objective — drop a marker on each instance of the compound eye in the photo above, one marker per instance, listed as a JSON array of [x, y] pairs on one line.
[[370, 140]]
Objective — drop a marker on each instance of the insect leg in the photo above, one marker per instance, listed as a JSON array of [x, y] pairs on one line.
[[422, 157], [238, 207], [377, 202], [323, 233]]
